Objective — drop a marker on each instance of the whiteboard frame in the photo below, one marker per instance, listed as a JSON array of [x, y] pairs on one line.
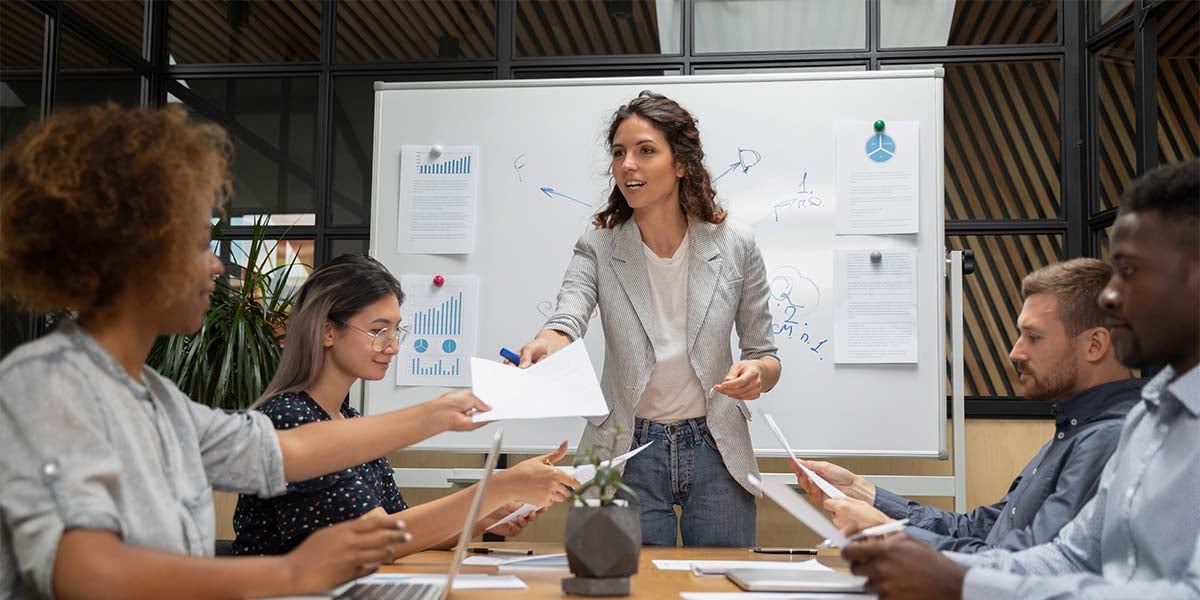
[[941, 453]]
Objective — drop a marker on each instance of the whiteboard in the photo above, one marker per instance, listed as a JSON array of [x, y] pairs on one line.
[[550, 134]]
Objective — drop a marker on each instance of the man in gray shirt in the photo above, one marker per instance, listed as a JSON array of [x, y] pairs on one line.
[[1139, 537], [1063, 356]]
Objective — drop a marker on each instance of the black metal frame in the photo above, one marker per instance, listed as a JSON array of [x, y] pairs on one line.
[[1079, 225]]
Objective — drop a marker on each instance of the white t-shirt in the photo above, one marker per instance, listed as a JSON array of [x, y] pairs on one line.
[[674, 392]]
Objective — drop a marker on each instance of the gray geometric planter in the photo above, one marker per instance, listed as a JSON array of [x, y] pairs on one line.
[[603, 545]]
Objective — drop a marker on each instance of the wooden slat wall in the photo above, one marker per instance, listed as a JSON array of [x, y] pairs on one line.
[[198, 31], [977, 22], [586, 27], [1179, 83], [1116, 146], [21, 36], [1002, 141]]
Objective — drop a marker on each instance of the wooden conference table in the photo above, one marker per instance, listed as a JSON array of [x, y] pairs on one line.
[[648, 583]]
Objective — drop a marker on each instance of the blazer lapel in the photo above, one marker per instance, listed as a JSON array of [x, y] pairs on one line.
[[629, 262], [704, 267]]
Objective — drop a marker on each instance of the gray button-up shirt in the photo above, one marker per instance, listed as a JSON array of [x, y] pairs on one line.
[[1139, 537], [85, 446], [1050, 490]]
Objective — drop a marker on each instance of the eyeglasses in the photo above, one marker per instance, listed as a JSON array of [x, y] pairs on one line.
[[383, 338]]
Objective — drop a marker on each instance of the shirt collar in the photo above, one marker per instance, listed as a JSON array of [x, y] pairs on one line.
[[1184, 389], [1112, 399]]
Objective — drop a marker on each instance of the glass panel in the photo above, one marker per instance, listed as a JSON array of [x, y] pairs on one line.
[[779, 25], [1179, 82], [588, 27], [398, 30], [914, 23], [353, 134], [1102, 240], [1002, 140], [339, 247], [1108, 12], [121, 19], [277, 253], [240, 31], [1116, 121], [571, 74], [272, 122], [21, 32], [751, 69], [87, 75], [991, 303]]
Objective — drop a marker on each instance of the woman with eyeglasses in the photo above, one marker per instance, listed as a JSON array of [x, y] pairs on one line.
[[346, 326]]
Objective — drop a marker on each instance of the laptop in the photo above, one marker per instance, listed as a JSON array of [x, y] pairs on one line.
[[767, 580], [364, 589]]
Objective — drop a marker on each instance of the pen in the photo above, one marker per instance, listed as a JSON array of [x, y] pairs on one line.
[[784, 550], [520, 551], [878, 530], [510, 356]]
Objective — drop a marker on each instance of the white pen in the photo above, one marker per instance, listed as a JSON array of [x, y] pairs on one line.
[[878, 530]]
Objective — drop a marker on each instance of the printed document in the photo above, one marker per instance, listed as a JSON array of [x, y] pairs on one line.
[[875, 306], [439, 197], [563, 384], [876, 178]]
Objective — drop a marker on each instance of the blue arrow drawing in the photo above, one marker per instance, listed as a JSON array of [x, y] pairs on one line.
[[550, 193], [743, 155]]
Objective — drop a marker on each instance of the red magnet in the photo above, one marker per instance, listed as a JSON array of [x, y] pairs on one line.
[[438, 280]]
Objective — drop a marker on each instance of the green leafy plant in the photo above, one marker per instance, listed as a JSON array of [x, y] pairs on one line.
[[607, 481], [230, 360]]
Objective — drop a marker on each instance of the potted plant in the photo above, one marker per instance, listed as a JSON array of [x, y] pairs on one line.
[[604, 534], [228, 362]]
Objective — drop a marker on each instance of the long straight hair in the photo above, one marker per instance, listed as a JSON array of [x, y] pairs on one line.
[[333, 293]]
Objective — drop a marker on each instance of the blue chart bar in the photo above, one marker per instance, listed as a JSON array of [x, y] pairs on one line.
[[460, 166], [440, 367], [445, 319]]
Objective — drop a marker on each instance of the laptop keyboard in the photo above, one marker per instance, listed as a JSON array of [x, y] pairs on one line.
[[392, 591]]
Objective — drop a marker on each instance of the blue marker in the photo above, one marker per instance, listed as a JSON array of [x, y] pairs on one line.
[[510, 356]]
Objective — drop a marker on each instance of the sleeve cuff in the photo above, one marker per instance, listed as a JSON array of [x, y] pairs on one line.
[[985, 583], [890, 504]]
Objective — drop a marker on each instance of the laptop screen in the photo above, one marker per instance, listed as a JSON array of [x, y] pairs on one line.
[[464, 537]]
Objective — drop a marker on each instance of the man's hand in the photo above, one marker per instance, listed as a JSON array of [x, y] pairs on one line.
[[901, 568], [851, 515], [850, 484]]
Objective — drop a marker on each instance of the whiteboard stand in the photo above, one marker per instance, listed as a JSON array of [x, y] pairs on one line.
[[916, 485]]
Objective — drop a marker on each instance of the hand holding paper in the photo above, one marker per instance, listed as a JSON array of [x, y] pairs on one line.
[[582, 474], [562, 385], [792, 502], [825, 486]]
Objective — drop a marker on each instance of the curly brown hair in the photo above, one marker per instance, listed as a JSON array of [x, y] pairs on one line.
[[697, 197], [92, 197]]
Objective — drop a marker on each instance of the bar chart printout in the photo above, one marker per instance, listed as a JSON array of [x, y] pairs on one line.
[[439, 194], [442, 330]]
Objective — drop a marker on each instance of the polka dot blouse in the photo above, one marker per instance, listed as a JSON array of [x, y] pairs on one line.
[[277, 525]]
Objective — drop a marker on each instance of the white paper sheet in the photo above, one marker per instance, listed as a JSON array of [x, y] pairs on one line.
[[795, 504], [439, 197], [562, 385], [876, 181], [774, 596], [462, 581], [582, 474], [825, 486], [442, 324], [538, 561], [875, 306], [719, 567]]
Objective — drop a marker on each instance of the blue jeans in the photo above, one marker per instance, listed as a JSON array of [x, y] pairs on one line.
[[683, 467]]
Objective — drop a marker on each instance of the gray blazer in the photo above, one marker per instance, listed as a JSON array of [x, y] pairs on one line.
[[727, 288]]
